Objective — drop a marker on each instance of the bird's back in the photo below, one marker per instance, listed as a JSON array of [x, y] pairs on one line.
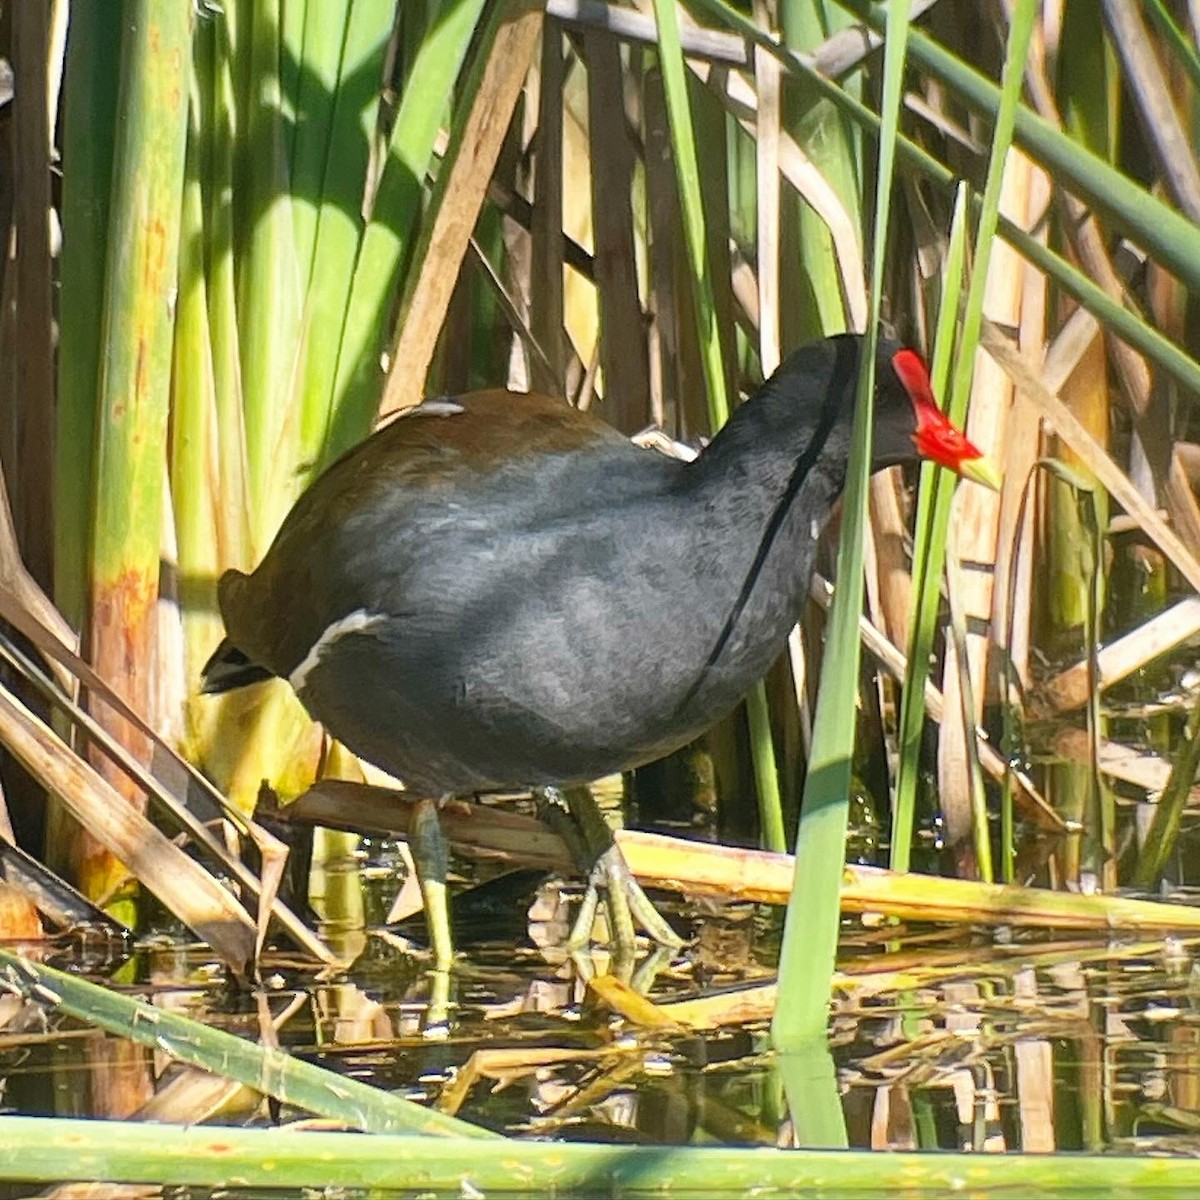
[[422, 488]]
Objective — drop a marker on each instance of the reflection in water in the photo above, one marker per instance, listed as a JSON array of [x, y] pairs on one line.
[[940, 1040]]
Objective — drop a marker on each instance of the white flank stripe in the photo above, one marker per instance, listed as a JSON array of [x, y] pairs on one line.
[[358, 621]]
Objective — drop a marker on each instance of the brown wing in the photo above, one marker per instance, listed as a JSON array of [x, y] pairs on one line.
[[452, 436], [497, 425], [432, 446]]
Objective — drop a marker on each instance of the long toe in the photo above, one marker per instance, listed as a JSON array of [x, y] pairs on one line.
[[641, 908], [610, 867]]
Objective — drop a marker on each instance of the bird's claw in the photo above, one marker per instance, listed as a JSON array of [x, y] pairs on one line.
[[627, 904]]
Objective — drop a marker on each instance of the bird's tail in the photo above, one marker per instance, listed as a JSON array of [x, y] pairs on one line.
[[228, 669]]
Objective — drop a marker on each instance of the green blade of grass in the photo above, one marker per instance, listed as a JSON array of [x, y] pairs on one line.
[[135, 358], [89, 132], [312, 52], [1168, 812], [1175, 39], [268, 286], [218, 129], [832, 143], [933, 499], [687, 169], [933, 522], [809, 949], [32, 1149], [363, 335], [296, 67], [330, 192], [1024, 14], [195, 479], [268, 1070]]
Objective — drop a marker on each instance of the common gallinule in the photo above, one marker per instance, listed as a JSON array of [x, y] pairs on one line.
[[497, 591]]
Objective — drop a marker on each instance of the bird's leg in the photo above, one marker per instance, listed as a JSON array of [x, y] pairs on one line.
[[552, 811], [436, 1026], [591, 841], [431, 853]]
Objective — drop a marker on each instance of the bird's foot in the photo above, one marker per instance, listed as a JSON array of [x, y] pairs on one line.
[[628, 907], [587, 834]]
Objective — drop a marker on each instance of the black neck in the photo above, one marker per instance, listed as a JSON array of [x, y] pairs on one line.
[[781, 444]]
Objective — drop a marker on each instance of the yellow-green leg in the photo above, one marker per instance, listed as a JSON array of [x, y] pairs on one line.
[[431, 853]]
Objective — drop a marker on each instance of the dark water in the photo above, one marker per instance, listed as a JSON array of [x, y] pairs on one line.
[[941, 1040], [989, 1042]]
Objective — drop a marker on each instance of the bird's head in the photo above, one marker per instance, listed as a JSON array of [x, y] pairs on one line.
[[909, 424]]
